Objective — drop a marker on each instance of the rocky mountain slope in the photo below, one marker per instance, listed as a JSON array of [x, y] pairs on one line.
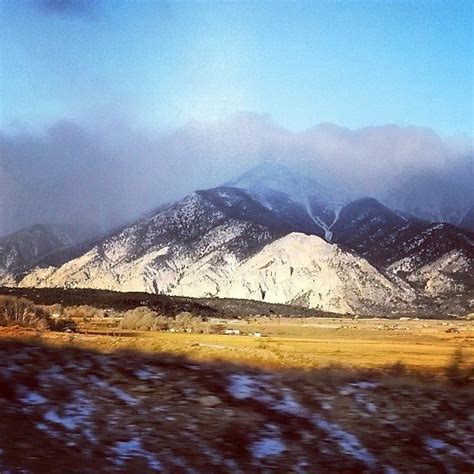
[[384, 236], [308, 271], [210, 244], [248, 242], [365, 225], [21, 251], [271, 184], [408, 247], [153, 253], [452, 273]]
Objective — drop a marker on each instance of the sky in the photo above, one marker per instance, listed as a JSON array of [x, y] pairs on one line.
[[162, 64], [109, 108]]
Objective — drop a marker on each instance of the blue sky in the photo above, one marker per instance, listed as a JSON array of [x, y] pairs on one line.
[[163, 64]]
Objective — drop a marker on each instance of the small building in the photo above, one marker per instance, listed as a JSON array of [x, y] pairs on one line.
[[232, 332]]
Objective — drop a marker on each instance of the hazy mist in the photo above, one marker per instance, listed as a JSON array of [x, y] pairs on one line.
[[98, 174]]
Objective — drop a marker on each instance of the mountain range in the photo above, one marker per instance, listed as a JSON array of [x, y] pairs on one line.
[[436, 197], [273, 235]]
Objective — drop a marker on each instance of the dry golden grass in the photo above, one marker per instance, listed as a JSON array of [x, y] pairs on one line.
[[419, 345]]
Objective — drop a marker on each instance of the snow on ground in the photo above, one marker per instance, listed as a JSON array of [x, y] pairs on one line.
[[147, 373], [437, 446], [245, 387], [33, 398], [118, 392], [348, 443], [109, 413], [125, 450], [75, 415], [242, 386], [267, 447]]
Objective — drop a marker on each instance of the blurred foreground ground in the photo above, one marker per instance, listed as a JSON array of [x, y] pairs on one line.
[[83, 403]]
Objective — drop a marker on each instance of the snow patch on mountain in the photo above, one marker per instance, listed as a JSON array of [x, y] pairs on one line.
[[21, 251], [448, 274], [318, 221], [172, 269], [325, 224]]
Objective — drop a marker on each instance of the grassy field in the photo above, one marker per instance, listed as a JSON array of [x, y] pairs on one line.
[[370, 343]]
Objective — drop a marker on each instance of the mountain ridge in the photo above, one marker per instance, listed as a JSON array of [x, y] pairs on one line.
[[215, 242]]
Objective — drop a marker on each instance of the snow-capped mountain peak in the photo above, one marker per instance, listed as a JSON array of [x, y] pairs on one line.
[[279, 178], [272, 183]]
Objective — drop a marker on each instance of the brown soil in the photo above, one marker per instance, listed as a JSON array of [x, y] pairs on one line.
[[66, 409]]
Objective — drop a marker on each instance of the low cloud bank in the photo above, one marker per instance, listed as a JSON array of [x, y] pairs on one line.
[[98, 175]]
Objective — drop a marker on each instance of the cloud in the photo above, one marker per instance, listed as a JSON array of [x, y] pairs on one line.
[[68, 8], [100, 173], [374, 158]]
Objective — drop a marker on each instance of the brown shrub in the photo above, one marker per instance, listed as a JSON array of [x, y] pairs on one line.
[[144, 319], [141, 319], [83, 312], [187, 321], [22, 312]]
